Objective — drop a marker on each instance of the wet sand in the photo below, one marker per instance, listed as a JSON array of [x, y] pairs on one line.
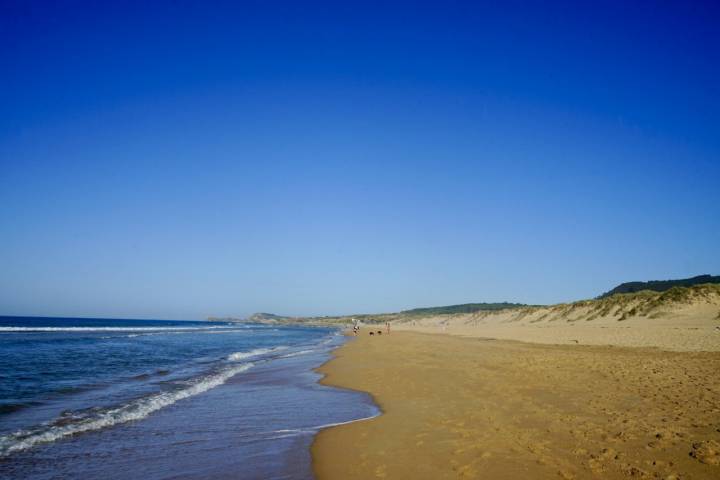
[[459, 407]]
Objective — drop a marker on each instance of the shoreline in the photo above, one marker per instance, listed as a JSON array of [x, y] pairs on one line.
[[183, 430], [459, 407]]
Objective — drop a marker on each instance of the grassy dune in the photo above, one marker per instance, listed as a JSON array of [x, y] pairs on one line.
[[620, 307], [679, 319]]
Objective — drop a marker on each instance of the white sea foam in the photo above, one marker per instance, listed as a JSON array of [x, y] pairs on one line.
[[293, 432], [173, 332], [135, 410], [109, 329], [295, 354], [234, 357], [337, 424]]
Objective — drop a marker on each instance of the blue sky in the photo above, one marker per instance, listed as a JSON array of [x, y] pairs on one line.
[[179, 160]]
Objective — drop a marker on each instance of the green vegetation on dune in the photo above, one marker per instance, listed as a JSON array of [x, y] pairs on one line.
[[464, 308], [649, 303], [660, 285]]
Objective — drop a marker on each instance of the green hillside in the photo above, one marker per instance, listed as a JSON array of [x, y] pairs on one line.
[[660, 285], [464, 308]]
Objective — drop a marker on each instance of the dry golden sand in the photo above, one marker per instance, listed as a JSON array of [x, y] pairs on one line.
[[457, 407]]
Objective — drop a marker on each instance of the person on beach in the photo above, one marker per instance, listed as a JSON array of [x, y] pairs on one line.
[[387, 324]]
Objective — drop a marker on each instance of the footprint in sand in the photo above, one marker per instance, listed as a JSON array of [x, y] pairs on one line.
[[707, 452], [595, 465], [467, 471], [597, 461], [566, 475], [633, 471]]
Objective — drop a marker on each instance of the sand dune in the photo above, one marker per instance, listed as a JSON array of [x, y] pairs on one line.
[[681, 319]]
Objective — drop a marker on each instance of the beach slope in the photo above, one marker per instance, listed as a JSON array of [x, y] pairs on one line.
[[456, 407]]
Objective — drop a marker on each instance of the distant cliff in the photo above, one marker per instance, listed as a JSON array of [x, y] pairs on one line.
[[260, 317], [263, 317]]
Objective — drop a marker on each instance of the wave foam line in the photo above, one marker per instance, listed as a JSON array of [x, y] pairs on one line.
[[234, 357], [133, 335], [295, 354], [293, 432], [136, 410], [105, 329]]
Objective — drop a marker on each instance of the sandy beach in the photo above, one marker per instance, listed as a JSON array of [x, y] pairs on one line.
[[458, 407]]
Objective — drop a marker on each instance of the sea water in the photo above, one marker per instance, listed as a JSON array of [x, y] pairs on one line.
[[128, 399]]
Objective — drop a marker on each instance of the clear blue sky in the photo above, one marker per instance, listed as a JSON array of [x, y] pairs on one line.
[[179, 160]]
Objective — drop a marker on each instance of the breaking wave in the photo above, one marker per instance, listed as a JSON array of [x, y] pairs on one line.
[[72, 424], [234, 357], [298, 353], [111, 329]]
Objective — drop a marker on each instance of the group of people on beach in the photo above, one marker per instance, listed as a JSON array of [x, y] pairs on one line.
[[356, 327]]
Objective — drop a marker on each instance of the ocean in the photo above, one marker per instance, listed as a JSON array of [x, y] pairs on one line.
[[128, 399]]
